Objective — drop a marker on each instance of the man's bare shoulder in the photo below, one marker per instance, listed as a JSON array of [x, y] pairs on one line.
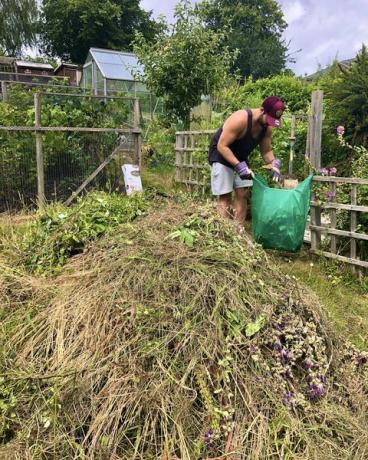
[[237, 120]]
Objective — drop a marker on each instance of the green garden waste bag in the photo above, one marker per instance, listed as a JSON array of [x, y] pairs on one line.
[[279, 216]]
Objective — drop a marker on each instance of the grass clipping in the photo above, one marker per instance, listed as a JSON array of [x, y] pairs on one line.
[[178, 339]]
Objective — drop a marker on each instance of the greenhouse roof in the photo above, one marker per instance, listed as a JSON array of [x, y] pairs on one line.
[[116, 65]]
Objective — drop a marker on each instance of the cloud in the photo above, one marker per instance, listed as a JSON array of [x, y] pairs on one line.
[[327, 29], [293, 11], [321, 29]]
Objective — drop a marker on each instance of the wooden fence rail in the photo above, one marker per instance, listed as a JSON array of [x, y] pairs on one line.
[[354, 236]]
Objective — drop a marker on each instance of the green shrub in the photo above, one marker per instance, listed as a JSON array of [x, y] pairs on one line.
[[60, 232]]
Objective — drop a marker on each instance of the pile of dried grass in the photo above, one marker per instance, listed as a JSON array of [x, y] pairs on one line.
[[178, 339]]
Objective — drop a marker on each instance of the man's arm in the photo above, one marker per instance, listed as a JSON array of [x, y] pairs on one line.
[[232, 129], [272, 163], [266, 148]]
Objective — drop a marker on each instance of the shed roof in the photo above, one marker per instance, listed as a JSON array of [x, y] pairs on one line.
[[116, 65], [5, 60], [34, 65]]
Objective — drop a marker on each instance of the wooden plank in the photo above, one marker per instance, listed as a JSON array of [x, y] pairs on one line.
[[34, 75], [208, 131], [315, 220], [4, 91], [353, 222], [39, 154], [359, 263], [193, 166], [333, 246], [335, 231], [316, 129], [292, 143], [179, 157], [341, 180], [89, 96], [69, 128], [93, 175], [346, 207]]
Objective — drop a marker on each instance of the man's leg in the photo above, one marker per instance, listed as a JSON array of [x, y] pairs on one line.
[[224, 205], [241, 203], [222, 184]]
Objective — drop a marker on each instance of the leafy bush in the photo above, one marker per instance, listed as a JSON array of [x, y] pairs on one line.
[[60, 232], [293, 91], [160, 144]]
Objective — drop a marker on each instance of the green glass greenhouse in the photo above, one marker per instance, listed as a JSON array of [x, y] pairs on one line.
[[109, 72]]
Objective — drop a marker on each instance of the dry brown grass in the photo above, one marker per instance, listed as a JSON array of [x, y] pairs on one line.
[[143, 348]]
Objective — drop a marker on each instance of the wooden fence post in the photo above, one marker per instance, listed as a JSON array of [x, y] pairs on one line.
[[39, 153], [179, 144], [292, 143], [4, 91], [333, 246], [315, 129], [315, 220], [137, 132], [353, 225]]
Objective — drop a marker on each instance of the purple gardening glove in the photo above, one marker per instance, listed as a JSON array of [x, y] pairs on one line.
[[243, 170], [274, 168]]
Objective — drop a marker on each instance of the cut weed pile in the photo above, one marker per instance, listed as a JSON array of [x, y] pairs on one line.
[[175, 338]]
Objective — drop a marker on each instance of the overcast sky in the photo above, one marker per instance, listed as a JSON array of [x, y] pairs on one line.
[[322, 29]]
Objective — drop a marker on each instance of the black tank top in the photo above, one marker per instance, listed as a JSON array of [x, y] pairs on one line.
[[241, 148]]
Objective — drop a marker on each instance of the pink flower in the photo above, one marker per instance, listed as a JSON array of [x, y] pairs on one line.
[[323, 171], [332, 171], [340, 130], [331, 195]]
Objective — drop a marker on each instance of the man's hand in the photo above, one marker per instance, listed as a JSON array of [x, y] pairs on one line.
[[274, 168], [243, 170]]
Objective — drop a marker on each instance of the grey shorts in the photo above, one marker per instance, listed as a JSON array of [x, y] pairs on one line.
[[225, 180]]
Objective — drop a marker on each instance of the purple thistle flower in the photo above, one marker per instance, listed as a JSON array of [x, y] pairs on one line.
[[308, 364], [316, 390], [278, 346], [288, 399], [331, 195], [284, 355], [208, 436], [340, 130], [288, 374], [332, 171]]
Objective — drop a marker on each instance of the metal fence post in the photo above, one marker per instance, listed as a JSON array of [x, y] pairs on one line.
[[137, 131]]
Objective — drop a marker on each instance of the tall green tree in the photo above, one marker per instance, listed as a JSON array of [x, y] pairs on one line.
[[256, 31], [18, 23], [70, 27], [185, 61], [348, 96]]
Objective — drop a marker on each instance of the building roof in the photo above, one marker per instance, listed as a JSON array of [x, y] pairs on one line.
[[34, 65], [5, 60], [67, 65], [116, 65]]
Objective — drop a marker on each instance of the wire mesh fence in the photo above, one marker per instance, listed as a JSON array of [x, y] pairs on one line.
[[77, 134]]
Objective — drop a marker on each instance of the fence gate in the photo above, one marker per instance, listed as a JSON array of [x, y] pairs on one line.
[[191, 164], [44, 162]]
